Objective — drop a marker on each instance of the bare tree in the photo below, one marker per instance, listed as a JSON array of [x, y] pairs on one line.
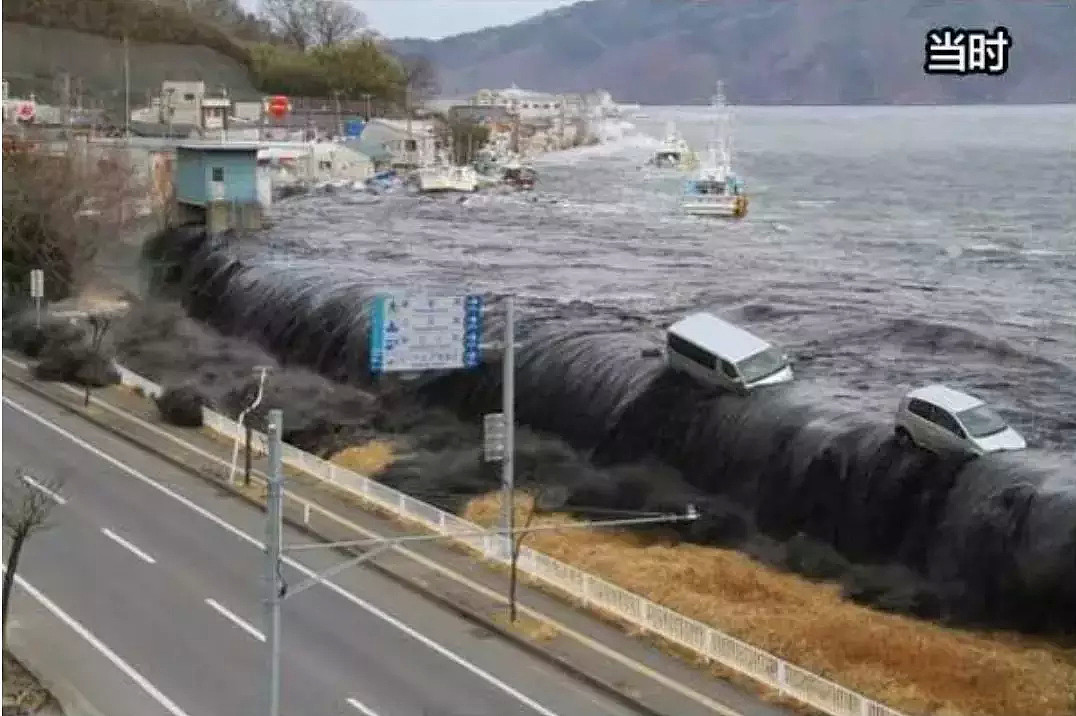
[[308, 23], [99, 325], [292, 19], [335, 21], [421, 77], [60, 210], [544, 500], [26, 511]]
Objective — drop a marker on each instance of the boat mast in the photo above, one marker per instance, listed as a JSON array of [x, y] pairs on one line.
[[720, 148]]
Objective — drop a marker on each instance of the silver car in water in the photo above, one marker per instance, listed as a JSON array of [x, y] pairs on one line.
[[945, 421]]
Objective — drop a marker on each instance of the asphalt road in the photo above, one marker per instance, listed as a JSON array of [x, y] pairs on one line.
[[154, 578]]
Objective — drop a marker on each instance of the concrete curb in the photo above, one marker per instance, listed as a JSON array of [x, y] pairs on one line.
[[475, 618]]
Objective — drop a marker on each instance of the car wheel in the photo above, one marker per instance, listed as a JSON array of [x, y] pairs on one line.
[[903, 438]]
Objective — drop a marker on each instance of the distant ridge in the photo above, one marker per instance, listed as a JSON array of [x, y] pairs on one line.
[[767, 51]]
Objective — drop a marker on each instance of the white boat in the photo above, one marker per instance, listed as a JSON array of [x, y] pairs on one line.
[[674, 151], [716, 190], [442, 176]]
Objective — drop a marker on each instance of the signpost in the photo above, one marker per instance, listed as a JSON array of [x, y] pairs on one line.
[[37, 292], [494, 433], [416, 331]]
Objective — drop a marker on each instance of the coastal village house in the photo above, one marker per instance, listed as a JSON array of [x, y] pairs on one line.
[[524, 104], [407, 148], [188, 104]]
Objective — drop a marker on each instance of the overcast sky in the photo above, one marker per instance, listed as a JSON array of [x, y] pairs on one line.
[[442, 18]]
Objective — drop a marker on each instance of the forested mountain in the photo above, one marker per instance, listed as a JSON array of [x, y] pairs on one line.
[[767, 51]]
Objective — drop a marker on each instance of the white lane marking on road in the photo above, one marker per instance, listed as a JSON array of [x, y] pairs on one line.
[[234, 619], [100, 646], [560, 627], [432, 565], [331, 586], [128, 546], [55, 496], [362, 708]]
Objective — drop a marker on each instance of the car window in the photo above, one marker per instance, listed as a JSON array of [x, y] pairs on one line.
[[691, 351], [728, 369], [762, 364], [921, 408], [982, 421], [948, 422]]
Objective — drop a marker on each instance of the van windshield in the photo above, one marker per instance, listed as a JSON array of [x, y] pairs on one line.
[[982, 421], [761, 365]]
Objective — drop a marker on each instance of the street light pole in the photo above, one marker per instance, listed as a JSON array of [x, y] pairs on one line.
[[273, 529], [126, 89], [508, 407]]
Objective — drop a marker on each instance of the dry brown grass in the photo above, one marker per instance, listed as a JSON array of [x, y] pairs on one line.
[[531, 628], [908, 664], [367, 459], [22, 692]]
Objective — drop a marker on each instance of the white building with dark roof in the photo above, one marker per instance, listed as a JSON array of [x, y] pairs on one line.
[[525, 104]]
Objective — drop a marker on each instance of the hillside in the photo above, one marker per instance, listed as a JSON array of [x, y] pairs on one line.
[[35, 58], [767, 51]]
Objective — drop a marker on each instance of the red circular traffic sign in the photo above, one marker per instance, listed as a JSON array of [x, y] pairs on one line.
[[25, 111], [278, 106]]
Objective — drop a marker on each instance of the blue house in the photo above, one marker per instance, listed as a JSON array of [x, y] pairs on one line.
[[221, 184]]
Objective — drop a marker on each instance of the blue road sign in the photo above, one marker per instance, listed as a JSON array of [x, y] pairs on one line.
[[414, 331]]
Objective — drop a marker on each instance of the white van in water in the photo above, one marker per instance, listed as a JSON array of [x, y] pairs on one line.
[[715, 351]]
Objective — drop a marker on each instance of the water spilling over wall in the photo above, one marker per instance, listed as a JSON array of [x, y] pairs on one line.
[[994, 537]]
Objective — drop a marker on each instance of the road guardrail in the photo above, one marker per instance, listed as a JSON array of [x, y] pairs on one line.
[[593, 592]]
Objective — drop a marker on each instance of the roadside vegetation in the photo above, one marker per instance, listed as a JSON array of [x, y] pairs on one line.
[[59, 210], [911, 664], [23, 693], [908, 664], [309, 48]]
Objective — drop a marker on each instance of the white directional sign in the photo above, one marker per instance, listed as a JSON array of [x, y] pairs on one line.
[[494, 432], [37, 283], [414, 331]]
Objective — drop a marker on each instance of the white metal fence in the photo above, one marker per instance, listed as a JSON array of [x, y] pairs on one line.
[[592, 591]]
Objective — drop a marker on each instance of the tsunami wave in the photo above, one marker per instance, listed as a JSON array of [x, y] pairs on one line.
[[994, 538]]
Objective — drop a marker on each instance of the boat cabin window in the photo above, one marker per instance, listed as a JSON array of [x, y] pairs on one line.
[[691, 351], [708, 187]]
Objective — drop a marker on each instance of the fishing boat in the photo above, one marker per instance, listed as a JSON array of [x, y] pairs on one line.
[[442, 176], [716, 190], [674, 151], [519, 176]]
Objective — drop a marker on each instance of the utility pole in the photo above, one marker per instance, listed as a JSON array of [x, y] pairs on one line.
[[126, 89], [339, 120], [273, 581], [366, 96], [508, 407], [275, 551], [410, 132], [563, 119], [67, 106]]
